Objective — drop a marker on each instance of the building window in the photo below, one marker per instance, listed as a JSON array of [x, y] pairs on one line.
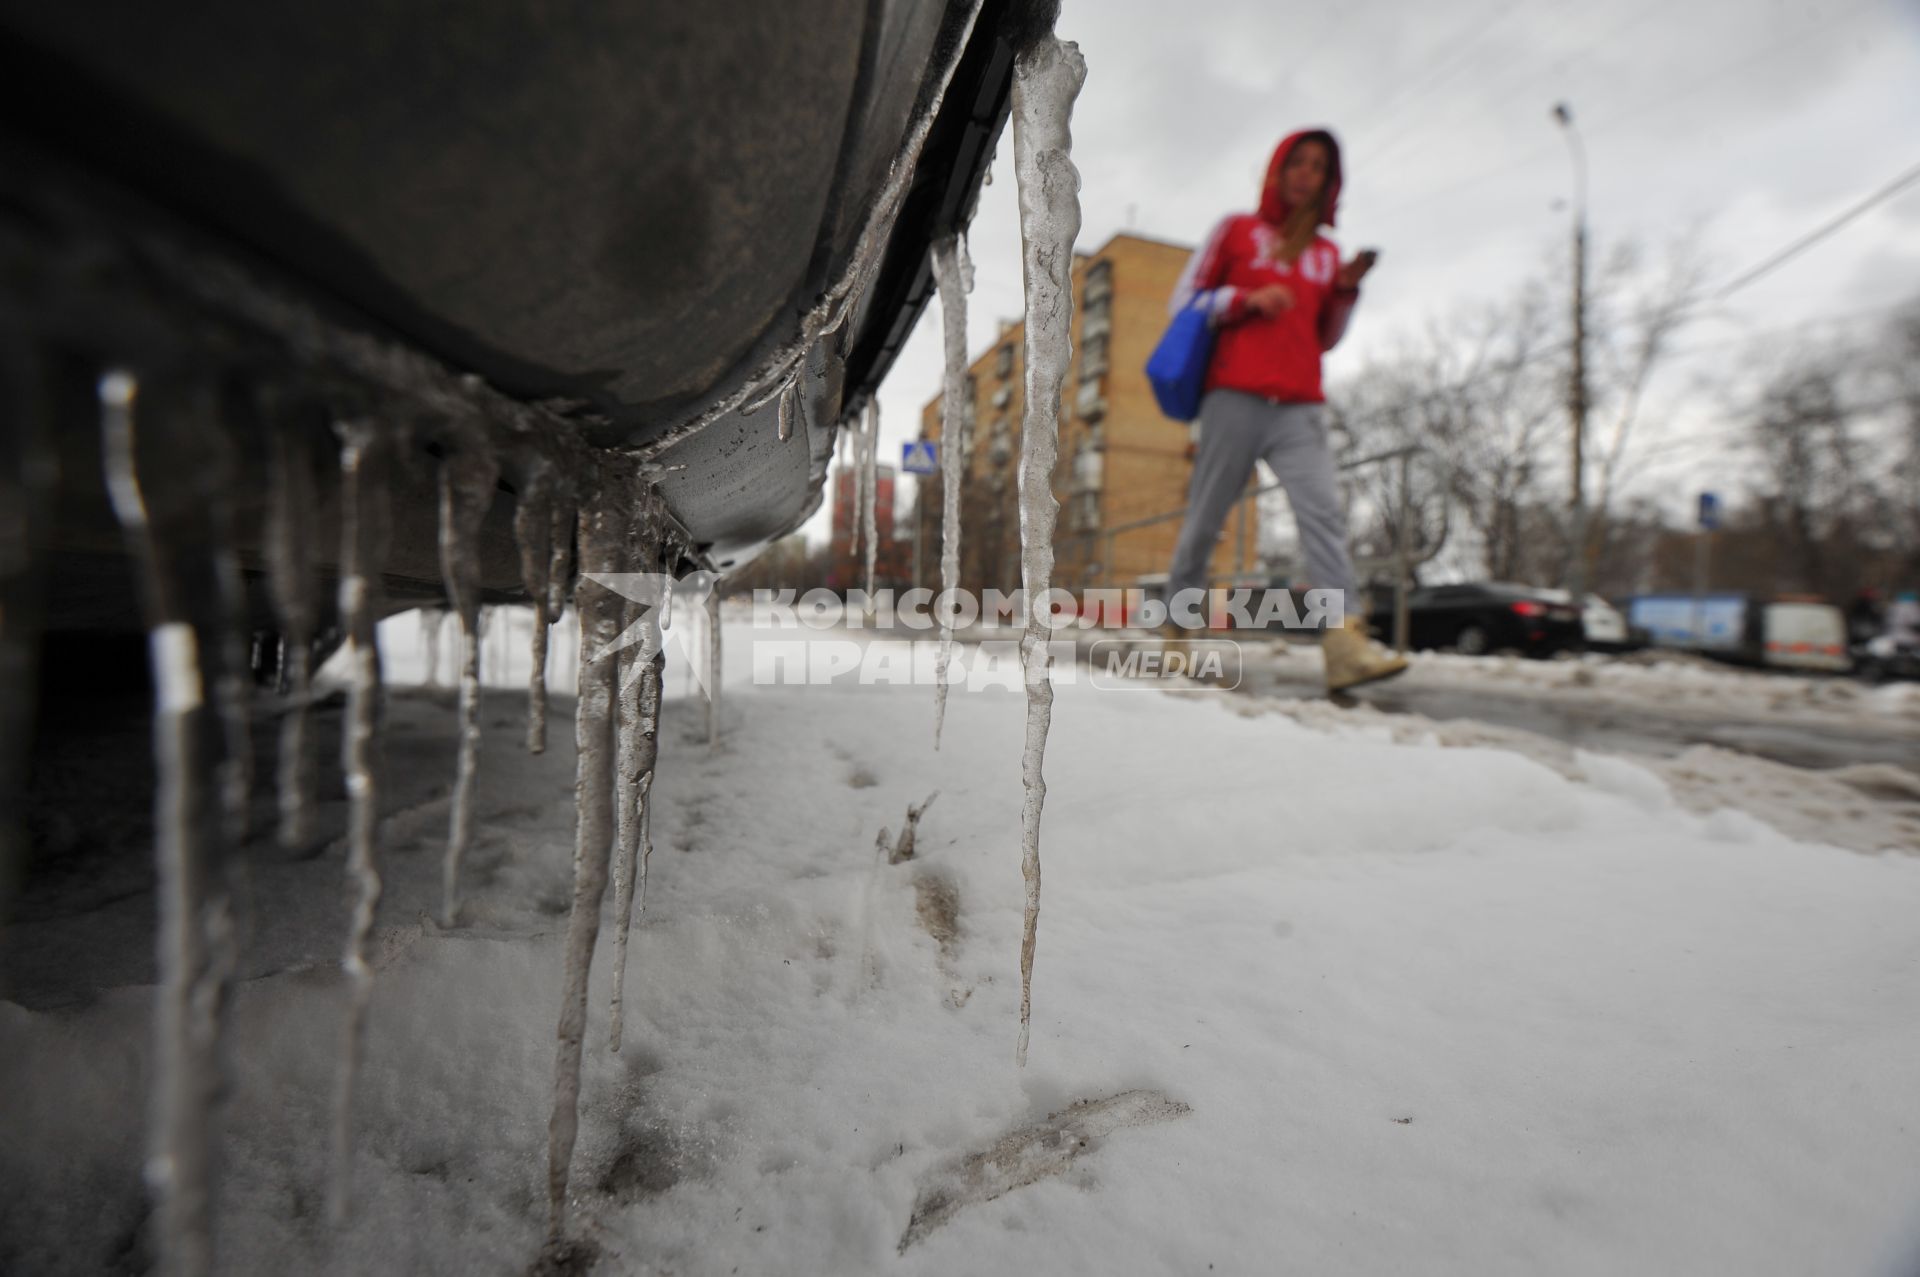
[[1088, 469], [1003, 396], [1099, 285], [1093, 358], [1088, 405], [1003, 362]]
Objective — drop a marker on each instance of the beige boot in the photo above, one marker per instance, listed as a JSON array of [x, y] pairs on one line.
[[1352, 658]]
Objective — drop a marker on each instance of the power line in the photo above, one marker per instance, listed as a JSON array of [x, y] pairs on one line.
[[1425, 121], [1795, 41], [1813, 237], [1442, 67]]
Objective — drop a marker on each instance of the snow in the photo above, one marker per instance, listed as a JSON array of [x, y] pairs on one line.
[[1467, 1004], [1673, 677]]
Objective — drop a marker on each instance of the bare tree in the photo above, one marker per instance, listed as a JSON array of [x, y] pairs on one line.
[[1484, 392]]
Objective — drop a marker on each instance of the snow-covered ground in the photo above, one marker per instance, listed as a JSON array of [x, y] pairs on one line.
[[1374, 994]]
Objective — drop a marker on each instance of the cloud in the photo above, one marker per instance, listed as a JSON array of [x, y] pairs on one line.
[[1755, 118]]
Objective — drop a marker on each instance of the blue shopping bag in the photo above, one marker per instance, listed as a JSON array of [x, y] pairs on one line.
[[1177, 368]]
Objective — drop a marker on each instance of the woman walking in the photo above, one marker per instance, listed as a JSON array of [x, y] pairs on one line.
[[1278, 297]]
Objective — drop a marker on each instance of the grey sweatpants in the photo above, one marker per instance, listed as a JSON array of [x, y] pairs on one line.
[[1237, 429]]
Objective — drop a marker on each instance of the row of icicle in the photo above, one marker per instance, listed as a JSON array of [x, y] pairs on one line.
[[178, 520], [169, 467]]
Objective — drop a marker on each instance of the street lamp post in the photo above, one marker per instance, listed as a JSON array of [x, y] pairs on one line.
[[1577, 380]]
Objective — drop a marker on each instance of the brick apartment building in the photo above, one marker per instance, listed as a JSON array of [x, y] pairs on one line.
[[892, 562], [1121, 462]]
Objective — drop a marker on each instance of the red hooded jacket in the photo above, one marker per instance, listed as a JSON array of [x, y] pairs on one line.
[[1274, 356]]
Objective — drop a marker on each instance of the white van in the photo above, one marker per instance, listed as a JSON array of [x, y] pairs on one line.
[[1789, 633], [1805, 635]]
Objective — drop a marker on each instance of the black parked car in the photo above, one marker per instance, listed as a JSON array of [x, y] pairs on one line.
[[1481, 617]]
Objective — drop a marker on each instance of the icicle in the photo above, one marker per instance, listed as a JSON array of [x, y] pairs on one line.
[[713, 657], [651, 696], [870, 490], [1047, 76], [599, 608], [431, 621], [533, 530], [789, 401], [642, 665], [560, 565], [467, 478], [29, 488], [953, 274], [172, 512], [857, 428], [290, 521], [363, 517]]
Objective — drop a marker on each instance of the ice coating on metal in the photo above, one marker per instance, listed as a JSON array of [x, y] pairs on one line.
[[827, 314], [953, 275], [601, 541], [467, 478], [362, 548], [1047, 76]]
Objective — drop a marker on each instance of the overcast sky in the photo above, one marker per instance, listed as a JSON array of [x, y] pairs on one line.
[[1754, 120]]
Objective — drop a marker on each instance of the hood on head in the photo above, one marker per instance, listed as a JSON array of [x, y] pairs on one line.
[[1272, 207]]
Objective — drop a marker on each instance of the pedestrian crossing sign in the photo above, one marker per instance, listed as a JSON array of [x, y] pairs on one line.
[[920, 456]]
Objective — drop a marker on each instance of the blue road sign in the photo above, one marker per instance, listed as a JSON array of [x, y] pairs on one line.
[[920, 456], [1709, 511]]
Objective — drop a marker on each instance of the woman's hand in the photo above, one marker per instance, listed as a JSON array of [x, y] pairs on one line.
[[1350, 275], [1270, 300]]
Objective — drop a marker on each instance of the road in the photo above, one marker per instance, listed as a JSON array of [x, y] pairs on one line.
[[1608, 724]]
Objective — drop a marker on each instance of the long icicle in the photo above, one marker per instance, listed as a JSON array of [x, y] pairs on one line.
[[560, 577], [29, 486], [362, 551], [432, 624], [638, 618], [951, 275], [467, 478], [639, 748], [713, 655], [1047, 76], [858, 429], [533, 532], [650, 699], [163, 507], [870, 490], [290, 561], [601, 542]]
